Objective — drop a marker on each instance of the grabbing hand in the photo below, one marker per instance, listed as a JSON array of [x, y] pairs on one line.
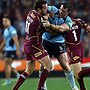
[[45, 23]]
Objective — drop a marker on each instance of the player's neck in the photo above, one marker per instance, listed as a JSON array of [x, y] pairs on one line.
[[39, 13], [8, 26]]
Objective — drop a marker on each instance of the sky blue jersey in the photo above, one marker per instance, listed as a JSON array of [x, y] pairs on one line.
[[59, 37], [9, 33]]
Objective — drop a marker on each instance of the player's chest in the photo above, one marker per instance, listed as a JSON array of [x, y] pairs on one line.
[[6, 34]]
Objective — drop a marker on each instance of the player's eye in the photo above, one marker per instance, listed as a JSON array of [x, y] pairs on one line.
[[63, 10]]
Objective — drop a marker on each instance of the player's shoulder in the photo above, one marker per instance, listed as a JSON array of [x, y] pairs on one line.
[[76, 21], [67, 18], [32, 14], [12, 28]]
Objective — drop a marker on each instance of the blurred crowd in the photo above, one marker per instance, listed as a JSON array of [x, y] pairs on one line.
[[18, 9]]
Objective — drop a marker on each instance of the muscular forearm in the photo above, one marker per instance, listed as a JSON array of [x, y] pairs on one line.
[[17, 45], [61, 28], [2, 45], [15, 38]]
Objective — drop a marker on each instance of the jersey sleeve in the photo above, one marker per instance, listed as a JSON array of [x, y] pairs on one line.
[[68, 21], [32, 23], [83, 24], [13, 31]]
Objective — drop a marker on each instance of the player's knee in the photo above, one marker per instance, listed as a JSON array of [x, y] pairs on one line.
[[50, 66], [76, 75], [67, 68], [41, 67], [7, 61], [27, 71]]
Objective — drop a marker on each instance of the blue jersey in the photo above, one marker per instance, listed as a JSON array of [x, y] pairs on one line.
[[9, 33], [59, 37]]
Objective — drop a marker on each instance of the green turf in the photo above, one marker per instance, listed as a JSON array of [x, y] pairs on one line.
[[52, 84]]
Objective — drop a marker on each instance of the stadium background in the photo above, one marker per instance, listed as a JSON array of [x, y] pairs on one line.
[[18, 9]]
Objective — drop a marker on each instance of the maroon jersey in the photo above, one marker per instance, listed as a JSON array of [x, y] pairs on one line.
[[33, 43], [33, 28], [72, 37]]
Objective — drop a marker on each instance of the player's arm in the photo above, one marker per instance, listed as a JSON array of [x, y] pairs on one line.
[[15, 39], [84, 25], [16, 42], [88, 28], [60, 28], [57, 28], [2, 44]]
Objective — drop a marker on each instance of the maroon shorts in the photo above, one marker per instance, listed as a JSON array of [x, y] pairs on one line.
[[34, 51], [75, 53]]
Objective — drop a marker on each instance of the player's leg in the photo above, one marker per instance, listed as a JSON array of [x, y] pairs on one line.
[[76, 69], [46, 62], [15, 71], [63, 60], [14, 56], [40, 72], [9, 55], [7, 71], [81, 74], [30, 65], [47, 47], [84, 72], [76, 56], [60, 53], [8, 62]]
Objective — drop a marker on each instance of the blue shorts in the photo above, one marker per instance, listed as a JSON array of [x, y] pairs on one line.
[[54, 49], [10, 54]]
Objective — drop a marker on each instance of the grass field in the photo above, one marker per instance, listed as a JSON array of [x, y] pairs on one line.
[[52, 84]]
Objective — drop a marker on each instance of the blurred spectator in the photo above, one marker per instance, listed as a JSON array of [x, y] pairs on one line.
[[19, 23]]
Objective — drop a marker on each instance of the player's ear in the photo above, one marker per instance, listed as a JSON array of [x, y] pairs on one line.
[[69, 12], [39, 9]]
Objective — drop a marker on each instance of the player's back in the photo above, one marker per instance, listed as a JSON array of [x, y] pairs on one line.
[[73, 36], [74, 47], [33, 27]]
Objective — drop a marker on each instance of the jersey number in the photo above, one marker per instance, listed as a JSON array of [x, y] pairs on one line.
[[27, 27], [75, 36], [28, 22]]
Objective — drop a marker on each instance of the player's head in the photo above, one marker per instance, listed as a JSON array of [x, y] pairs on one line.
[[41, 6], [65, 9], [6, 21], [52, 10]]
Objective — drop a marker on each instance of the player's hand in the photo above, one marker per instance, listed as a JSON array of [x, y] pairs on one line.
[[45, 17], [47, 24], [18, 53]]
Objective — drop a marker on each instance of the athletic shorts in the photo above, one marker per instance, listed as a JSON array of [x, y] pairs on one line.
[[10, 54], [34, 51], [75, 53], [54, 49]]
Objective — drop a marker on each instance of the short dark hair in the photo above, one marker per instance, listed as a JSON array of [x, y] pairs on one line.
[[6, 16], [67, 5], [39, 3]]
